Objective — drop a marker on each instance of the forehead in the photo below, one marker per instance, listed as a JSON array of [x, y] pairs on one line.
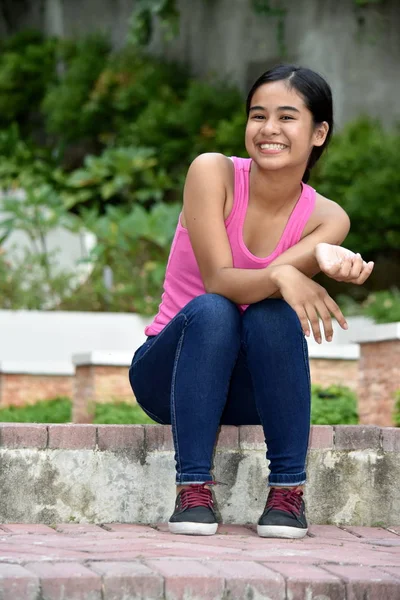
[[277, 93]]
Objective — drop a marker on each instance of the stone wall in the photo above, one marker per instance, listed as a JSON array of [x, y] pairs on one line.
[[125, 473], [356, 47]]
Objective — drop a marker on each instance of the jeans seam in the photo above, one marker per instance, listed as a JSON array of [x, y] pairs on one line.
[[173, 411], [157, 337], [306, 362]]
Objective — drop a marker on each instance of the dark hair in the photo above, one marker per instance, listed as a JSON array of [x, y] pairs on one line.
[[317, 96]]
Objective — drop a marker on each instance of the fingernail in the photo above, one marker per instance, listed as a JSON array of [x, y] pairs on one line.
[[307, 333], [329, 338], [345, 326], [319, 340]]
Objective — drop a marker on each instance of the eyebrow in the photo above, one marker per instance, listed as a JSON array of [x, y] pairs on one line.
[[281, 108]]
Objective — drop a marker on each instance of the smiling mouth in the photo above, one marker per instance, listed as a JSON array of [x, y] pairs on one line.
[[272, 146]]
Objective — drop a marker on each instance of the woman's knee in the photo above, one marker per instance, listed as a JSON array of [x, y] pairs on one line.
[[214, 312], [274, 316]]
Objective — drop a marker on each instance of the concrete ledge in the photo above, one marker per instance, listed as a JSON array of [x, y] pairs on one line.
[[55, 368], [125, 473], [378, 333], [331, 351], [103, 358]]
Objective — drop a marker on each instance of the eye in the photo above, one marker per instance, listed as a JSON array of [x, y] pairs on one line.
[[284, 117], [258, 117]]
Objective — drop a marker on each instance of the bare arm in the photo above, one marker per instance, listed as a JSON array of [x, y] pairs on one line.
[[204, 197]]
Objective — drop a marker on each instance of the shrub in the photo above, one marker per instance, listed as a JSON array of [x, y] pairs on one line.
[[134, 246], [27, 65], [383, 306], [124, 175], [334, 405], [33, 282], [330, 406], [59, 410], [65, 105], [396, 415], [360, 171]]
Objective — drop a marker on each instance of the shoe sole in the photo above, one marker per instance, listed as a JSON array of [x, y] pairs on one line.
[[280, 531], [193, 528]]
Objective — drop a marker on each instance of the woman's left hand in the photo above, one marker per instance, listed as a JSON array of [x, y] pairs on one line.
[[342, 264]]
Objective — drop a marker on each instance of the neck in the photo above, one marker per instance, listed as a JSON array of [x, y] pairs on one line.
[[275, 189]]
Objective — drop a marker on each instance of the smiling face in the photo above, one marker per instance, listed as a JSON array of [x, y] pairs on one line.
[[280, 130]]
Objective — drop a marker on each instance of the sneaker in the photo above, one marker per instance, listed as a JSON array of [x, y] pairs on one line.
[[194, 513], [284, 515]]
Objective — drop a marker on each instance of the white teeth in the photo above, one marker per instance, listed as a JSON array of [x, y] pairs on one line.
[[272, 147]]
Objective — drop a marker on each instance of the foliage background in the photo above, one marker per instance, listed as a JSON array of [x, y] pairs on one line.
[[101, 140]]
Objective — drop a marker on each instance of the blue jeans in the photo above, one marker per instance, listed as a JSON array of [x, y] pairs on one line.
[[212, 365]]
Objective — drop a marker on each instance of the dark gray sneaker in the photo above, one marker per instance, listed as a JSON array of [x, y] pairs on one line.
[[194, 512], [284, 515]]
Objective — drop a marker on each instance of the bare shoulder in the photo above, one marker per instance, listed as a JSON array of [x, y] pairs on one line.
[[330, 216], [213, 163], [326, 210], [207, 185]]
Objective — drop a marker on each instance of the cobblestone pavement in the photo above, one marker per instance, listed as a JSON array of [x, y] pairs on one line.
[[122, 562]]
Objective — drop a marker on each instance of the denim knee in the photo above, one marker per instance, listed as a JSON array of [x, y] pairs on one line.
[[215, 314], [274, 317]]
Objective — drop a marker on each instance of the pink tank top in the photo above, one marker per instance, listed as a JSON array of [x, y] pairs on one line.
[[183, 281]]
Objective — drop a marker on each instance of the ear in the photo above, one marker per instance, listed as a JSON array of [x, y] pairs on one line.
[[320, 133]]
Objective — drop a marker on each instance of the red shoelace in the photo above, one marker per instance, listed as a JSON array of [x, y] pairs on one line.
[[197, 495], [285, 499]]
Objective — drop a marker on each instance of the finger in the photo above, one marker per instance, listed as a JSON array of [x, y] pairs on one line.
[[333, 269], [357, 267], [326, 320], [337, 313], [365, 273], [345, 269], [301, 313], [314, 322]]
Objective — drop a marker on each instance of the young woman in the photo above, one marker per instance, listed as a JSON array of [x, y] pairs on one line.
[[228, 343]]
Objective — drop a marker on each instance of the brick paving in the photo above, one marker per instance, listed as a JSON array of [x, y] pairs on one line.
[[122, 562]]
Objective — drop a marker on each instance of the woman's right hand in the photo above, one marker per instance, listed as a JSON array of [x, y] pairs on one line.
[[309, 300]]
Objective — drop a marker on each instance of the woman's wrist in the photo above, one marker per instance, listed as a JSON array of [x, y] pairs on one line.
[[279, 273]]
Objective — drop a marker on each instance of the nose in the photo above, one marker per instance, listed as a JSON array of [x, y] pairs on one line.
[[270, 126]]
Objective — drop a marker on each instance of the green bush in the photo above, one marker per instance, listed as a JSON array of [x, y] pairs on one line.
[[134, 244], [382, 307], [396, 415], [330, 406], [120, 413], [59, 410], [65, 105], [123, 174], [361, 172], [185, 127], [334, 405], [27, 65]]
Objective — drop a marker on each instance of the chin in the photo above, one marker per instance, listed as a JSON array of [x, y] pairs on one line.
[[271, 163]]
